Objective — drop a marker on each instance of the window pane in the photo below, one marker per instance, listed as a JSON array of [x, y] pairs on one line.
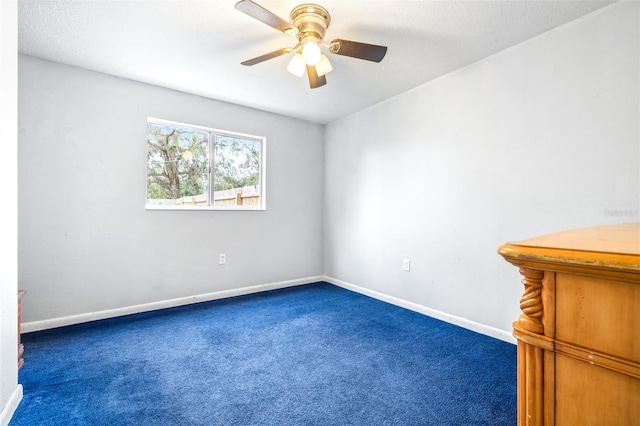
[[177, 165], [236, 172]]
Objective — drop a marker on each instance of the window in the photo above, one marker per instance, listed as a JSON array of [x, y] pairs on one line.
[[197, 168]]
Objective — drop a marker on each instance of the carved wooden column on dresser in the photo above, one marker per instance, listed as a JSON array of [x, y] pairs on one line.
[[579, 331], [20, 345]]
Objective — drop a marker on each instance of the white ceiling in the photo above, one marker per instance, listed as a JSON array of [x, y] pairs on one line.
[[197, 46]]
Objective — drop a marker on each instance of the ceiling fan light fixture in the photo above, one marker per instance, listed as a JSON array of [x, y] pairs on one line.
[[297, 65], [187, 155], [324, 66], [311, 52]]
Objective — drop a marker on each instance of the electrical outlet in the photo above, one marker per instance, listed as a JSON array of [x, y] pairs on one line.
[[222, 259], [406, 265]]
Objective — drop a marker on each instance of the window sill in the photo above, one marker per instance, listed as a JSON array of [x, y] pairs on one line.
[[205, 208]]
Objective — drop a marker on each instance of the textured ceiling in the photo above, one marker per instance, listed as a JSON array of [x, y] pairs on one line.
[[197, 46]]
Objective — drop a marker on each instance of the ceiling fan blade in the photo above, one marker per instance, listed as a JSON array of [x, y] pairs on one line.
[[355, 49], [263, 15], [314, 80], [267, 56]]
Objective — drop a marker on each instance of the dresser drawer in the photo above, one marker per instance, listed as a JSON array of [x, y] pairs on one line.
[[599, 313]]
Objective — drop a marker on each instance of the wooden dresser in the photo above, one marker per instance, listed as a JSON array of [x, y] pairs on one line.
[[579, 331]]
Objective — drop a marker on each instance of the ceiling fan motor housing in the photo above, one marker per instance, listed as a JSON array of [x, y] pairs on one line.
[[311, 20]]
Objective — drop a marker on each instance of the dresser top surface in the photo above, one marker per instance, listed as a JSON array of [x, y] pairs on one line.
[[603, 248], [623, 239]]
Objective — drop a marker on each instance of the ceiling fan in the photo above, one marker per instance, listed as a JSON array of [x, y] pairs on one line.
[[308, 23]]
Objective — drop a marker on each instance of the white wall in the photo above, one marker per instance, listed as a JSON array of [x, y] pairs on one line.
[[10, 391], [536, 139], [86, 243], [539, 138]]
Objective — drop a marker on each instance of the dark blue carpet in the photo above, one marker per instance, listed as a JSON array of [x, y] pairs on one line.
[[309, 355]]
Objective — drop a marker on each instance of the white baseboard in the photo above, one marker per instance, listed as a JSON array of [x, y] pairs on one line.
[[152, 306], [10, 408], [459, 321], [128, 310]]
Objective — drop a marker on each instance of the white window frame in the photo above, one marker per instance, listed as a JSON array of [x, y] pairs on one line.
[[212, 134]]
